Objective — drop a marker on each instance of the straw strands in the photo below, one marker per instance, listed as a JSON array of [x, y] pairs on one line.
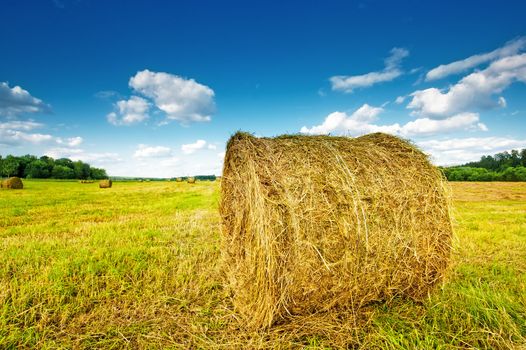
[[311, 223], [14, 183], [105, 183]]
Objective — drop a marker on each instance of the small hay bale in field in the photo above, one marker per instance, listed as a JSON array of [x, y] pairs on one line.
[[179, 179], [105, 183], [310, 223], [191, 180], [14, 183]]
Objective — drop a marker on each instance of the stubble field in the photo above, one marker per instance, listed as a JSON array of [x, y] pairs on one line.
[[139, 266]]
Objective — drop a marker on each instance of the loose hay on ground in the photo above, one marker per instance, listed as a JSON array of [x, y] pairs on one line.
[[316, 222]]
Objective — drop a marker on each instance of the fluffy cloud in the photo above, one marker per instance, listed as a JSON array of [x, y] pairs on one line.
[[361, 122], [145, 151], [426, 126], [511, 48], [357, 123], [391, 71], [193, 147], [71, 141], [462, 150], [15, 101], [18, 132], [474, 91], [94, 158], [26, 125], [132, 111], [17, 137], [184, 100]]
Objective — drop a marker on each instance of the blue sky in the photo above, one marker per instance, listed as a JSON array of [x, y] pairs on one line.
[[155, 88]]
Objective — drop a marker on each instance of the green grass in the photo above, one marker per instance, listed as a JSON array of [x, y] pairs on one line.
[[138, 266]]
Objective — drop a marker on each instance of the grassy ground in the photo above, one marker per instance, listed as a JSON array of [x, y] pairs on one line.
[[138, 266]]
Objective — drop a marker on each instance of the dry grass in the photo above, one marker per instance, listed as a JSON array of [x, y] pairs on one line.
[[138, 267], [311, 223]]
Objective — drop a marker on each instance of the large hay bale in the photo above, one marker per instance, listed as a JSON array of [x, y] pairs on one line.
[[191, 180], [105, 183], [315, 222], [14, 183]]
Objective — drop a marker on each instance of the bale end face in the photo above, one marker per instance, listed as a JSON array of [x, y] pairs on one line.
[[310, 223], [14, 183]]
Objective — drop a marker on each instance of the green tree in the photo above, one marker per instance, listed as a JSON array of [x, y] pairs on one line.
[[62, 172], [98, 174], [10, 166], [82, 170], [37, 170]]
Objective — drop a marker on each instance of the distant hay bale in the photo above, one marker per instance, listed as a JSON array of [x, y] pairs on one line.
[[86, 181], [179, 179], [105, 183], [191, 180], [311, 223], [14, 183]]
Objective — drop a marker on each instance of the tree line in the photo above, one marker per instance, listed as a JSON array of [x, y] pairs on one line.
[[504, 166], [45, 167]]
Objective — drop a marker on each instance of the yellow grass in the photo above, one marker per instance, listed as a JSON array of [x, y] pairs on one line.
[[137, 266]]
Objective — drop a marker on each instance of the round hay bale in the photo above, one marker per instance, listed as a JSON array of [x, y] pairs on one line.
[[191, 180], [14, 183], [105, 183], [179, 179], [315, 222]]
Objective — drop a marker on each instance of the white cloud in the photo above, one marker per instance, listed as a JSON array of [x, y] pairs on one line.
[[71, 141], [184, 100], [15, 101], [93, 158], [17, 137], [462, 150], [426, 126], [356, 123], [18, 133], [193, 147], [221, 154], [25, 125], [145, 151], [511, 48], [474, 91], [211, 146], [132, 111], [391, 71], [361, 122], [400, 99], [502, 102]]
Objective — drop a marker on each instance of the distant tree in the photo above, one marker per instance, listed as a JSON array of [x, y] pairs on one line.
[[523, 157], [46, 167], [10, 166], [98, 174], [65, 162], [38, 170], [62, 172], [82, 170]]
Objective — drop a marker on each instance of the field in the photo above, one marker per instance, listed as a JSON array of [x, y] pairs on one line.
[[139, 266]]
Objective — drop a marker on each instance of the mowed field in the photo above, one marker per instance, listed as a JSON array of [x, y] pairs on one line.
[[139, 266]]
